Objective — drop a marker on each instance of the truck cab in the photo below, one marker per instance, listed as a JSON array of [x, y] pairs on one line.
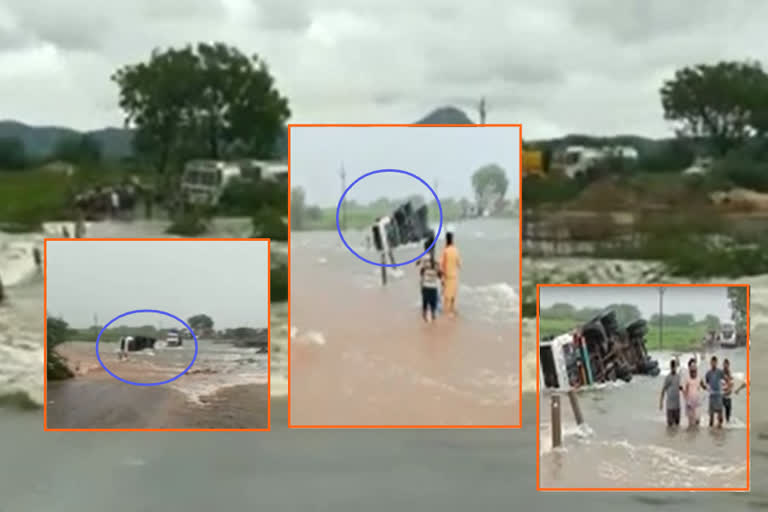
[[203, 181]]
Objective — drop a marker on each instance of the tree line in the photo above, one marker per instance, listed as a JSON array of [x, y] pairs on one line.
[[626, 313], [489, 184], [75, 149]]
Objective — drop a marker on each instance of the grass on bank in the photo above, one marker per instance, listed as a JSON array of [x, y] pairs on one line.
[[675, 337], [30, 197]]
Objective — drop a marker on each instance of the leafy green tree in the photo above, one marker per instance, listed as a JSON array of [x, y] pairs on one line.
[[314, 213], [268, 223], [57, 332], [208, 101], [723, 103], [489, 183], [278, 283], [13, 154], [200, 321], [712, 322]]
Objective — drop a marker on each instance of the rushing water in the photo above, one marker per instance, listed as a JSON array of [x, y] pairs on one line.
[[339, 470], [626, 443], [21, 346]]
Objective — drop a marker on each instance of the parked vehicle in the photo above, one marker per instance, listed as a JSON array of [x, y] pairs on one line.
[[173, 338]]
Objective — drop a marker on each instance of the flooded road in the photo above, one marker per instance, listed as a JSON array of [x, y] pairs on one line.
[[362, 355]]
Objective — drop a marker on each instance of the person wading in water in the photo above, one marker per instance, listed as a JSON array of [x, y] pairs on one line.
[[691, 391], [714, 383], [450, 263], [430, 280], [671, 389]]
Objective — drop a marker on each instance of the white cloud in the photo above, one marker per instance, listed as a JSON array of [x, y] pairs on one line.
[[556, 66]]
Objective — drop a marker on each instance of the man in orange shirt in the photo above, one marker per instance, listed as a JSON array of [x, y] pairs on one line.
[[450, 263]]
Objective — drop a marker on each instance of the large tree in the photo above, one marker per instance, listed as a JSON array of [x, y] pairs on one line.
[[490, 184], [200, 321], [209, 101], [723, 104]]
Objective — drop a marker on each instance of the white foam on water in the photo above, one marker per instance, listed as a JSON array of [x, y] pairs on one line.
[[17, 262], [16, 375], [309, 337], [569, 431]]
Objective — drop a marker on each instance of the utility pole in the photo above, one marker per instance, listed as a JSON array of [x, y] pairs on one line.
[[343, 175], [661, 317], [481, 109]]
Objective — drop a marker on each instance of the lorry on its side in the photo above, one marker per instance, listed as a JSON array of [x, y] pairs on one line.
[[598, 351]]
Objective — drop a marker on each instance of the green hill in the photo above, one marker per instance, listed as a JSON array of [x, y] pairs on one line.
[[40, 141]]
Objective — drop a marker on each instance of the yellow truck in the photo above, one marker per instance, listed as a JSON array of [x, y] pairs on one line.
[[533, 163]]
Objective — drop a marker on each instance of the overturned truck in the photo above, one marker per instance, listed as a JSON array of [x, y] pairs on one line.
[[406, 225], [598, 351], [136, 343]]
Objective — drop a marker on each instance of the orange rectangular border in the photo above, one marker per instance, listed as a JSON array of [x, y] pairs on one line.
[[269, 334], [634, 489], [520, 274]]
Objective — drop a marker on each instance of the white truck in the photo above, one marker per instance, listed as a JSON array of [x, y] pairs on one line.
[[578, 160], [203, 181]]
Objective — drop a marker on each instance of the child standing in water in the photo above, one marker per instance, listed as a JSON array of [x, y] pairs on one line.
[[430, 279]]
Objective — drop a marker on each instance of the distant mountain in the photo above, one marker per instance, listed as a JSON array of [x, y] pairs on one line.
[[116, 143], [40, 141], [445, 115]]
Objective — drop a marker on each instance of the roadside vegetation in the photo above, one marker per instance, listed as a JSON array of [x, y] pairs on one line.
[[489, 183], [57, 332], [719, 111]]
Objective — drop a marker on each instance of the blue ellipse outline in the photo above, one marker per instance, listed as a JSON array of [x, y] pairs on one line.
[[398, 171], [147, 311]]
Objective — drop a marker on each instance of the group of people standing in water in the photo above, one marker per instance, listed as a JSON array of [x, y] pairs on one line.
[[685, 389], [439, 276]]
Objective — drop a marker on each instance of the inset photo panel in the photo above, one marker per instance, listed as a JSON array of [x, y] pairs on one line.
[[157, 334], [405, 276], [643, 387]]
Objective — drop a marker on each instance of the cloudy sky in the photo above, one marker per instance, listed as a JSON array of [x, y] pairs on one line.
[[556, 66], [109, 278], [696, 300], [442, 157]]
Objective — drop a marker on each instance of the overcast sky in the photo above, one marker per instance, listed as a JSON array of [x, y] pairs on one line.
[[447, 156], [696, 300], [226, 280], [589, 66]]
